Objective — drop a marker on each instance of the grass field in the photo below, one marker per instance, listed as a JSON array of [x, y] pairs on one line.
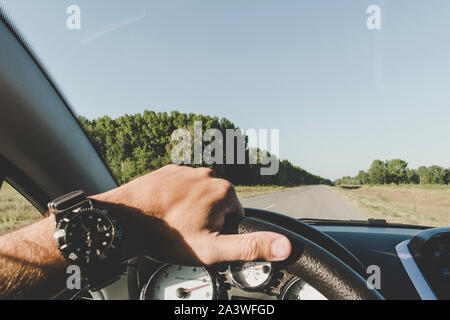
[[15, 210], [252, 191], [410, 204]]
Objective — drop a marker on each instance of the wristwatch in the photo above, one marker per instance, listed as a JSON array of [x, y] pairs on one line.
[[88, 235]]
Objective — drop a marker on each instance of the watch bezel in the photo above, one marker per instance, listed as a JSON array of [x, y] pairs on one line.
[[80, 259]]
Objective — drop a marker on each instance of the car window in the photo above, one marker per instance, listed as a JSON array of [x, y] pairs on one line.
[[15, 210], [350, 98]]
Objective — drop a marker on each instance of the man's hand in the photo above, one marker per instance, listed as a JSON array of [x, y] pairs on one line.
[[176, 214]]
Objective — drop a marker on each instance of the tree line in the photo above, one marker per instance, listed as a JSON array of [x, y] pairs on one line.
[[132, 145], [396, 171]]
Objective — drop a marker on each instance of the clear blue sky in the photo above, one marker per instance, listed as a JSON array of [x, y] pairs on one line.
[[340, 94]]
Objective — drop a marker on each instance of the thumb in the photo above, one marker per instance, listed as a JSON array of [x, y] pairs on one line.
[[267, 246]]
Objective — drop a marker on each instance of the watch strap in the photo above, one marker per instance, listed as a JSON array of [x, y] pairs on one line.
[[67, 201], [104, 273]]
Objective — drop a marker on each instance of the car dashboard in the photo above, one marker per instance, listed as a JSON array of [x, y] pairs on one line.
[[429, 251], [234, 281]]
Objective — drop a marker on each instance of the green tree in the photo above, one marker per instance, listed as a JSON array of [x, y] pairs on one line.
[[378, 173], [438, 175], [132, 145], [413, 176], [424, 175], [363, 177], [396, 170]]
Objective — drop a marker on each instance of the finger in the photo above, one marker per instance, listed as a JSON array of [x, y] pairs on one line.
[[267, 246], [207, 172], [228, 205]]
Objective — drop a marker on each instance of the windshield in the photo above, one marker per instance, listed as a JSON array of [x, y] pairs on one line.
[[314, 109]]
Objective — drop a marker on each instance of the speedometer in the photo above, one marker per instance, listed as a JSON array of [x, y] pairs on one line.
[[173, 282]]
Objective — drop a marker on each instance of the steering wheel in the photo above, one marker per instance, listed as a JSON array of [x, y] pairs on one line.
[[336, 276], [310, 262]]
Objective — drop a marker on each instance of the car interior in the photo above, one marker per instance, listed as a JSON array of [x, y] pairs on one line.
[[44, 153]]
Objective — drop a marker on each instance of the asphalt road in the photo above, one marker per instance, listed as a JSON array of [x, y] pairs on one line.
[[307, 202]]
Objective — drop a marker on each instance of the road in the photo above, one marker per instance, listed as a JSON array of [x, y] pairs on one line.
[[307, 202]]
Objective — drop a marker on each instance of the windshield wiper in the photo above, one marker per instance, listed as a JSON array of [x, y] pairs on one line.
[[377, 223]]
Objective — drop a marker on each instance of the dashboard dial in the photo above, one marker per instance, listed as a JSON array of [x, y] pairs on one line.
[[297, 289], [251, 275], [173, 282]]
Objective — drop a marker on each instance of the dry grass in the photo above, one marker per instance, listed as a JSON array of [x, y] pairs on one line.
[[15, 210], [410, 204], [252, 191]]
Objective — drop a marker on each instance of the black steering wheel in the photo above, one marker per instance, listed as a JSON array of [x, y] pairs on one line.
[[336, 275], [310, 262]]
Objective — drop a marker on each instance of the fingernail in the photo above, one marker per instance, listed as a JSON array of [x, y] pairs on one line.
[[281, 248]]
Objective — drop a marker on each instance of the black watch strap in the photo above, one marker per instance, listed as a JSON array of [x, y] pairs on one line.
[[103, 274]]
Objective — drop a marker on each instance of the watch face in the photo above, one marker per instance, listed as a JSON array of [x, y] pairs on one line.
[[88, 236]]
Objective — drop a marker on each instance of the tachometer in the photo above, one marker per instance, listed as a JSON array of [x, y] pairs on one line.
[[251, 275], [173, 282]]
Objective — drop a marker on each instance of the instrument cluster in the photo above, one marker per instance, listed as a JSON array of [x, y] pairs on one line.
[[234, 281]]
